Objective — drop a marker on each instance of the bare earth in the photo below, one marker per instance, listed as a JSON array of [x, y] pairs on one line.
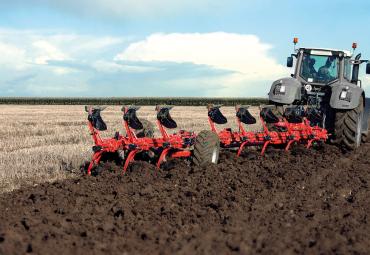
[[298, 202], [45, 143]]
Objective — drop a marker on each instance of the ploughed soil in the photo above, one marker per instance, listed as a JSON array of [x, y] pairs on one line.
[[302, 202]]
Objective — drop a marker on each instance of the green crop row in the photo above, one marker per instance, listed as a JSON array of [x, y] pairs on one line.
[[183, 101]]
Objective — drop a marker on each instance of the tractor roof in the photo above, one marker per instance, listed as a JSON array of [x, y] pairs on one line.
[[327, 52]]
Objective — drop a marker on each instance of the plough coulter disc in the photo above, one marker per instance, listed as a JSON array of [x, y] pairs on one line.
[[206, 148]]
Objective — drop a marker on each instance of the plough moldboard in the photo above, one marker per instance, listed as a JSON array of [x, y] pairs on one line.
[[294, 124]]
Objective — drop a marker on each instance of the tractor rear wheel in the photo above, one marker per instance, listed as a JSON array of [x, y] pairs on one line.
[[206, 148], [348, 127], [147, 131]]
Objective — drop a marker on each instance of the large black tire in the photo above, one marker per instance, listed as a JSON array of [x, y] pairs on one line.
[[147, 131], [206, 148], [347, 128]]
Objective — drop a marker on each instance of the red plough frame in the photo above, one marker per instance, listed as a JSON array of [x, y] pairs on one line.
[[288, 133], [168, 145]]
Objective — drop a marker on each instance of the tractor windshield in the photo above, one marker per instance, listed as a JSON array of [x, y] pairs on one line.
[[319, 69]]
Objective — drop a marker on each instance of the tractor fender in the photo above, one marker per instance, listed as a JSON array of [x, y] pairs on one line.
[[292, 91], [354, 93]]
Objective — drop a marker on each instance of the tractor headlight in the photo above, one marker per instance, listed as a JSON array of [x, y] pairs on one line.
[[280, 89], [308, 87], [345, 94]]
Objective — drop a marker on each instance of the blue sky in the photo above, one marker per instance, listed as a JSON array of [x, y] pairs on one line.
[[165, 47]]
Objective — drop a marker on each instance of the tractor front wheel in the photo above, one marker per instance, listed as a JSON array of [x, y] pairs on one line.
[[206, 148], [348, 127]]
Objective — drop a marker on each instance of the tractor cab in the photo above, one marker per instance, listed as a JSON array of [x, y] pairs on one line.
[[322, 66], [325, 66], [318, 74]]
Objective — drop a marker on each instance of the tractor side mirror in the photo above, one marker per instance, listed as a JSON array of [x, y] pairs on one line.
[[368, 68], [289, 62]]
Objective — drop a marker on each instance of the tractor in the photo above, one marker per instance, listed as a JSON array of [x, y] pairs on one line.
[[327, 81]]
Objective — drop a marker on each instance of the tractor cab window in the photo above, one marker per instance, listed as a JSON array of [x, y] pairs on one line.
[[347, 69], [319, 69]]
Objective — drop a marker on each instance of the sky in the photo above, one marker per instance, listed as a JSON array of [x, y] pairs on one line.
[[228, 48]]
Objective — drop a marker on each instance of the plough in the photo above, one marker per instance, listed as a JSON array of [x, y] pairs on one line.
[[296, 125], [202, 148]]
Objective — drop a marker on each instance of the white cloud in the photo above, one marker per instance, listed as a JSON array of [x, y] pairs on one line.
[[47, 52], [12, 56], [245, 55], [30, 58], [211, 64], [113, 67], [22, 47]]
